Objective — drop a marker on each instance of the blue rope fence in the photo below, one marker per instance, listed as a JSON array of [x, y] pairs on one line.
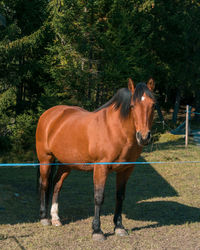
[[196, 113], [182, 125], [96, 163]]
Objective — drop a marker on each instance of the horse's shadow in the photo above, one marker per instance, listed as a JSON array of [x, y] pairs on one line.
[[145, 183], [18, 202], [165, 213]]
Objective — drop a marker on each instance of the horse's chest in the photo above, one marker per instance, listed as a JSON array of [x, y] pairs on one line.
[[126, 152]]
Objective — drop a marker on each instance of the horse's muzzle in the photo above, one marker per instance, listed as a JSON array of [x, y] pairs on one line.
[[143, 141]]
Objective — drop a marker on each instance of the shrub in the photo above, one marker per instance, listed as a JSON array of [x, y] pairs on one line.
[[22, 132]]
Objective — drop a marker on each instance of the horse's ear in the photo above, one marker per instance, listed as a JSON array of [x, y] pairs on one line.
[[151, 84], [131, 85]]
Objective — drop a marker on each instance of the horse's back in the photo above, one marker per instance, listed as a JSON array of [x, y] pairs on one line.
[[55, 123], [53, 116]]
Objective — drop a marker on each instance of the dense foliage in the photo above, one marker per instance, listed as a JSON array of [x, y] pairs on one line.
[[81, 51]]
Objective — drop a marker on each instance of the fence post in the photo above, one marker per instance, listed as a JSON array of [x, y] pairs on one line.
[[187, 126]]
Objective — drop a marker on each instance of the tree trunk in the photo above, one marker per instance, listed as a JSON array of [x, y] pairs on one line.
[[19, 98], [197, 105], [91, 53], [176, 107], [160, 115]]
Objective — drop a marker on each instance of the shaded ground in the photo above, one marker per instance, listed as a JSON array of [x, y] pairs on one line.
[[196, 136], [19, 200]]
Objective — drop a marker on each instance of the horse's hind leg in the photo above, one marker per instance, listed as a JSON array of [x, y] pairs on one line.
[[62, 173], [45, 171]]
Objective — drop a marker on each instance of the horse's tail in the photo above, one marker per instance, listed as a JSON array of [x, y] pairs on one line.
[[50, 181], [38, 180]]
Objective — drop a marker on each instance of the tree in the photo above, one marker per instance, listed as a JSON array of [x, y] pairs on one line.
[[99, 44], [81, 51], [175, 44], [23, 45]]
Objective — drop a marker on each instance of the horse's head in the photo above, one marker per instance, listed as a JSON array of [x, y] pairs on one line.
[[142, 108]]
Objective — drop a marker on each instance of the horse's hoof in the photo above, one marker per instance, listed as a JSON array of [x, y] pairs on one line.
[[45, 222], [121, 232], [56, 223], [98, 237]]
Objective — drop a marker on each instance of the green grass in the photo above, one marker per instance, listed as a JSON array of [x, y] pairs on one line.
[[161, 210]]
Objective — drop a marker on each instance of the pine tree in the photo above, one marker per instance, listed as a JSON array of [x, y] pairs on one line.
[[23, 45]]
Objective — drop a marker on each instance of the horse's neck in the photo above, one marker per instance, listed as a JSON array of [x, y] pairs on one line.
[[124, 126], [129, 128]]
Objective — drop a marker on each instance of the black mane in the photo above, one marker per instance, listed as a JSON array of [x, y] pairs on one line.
[[122, 99]]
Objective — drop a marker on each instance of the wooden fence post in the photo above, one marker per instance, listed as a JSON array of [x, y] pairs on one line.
[[187, 126]]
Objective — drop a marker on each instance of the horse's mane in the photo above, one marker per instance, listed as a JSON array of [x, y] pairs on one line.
[[122, 99]]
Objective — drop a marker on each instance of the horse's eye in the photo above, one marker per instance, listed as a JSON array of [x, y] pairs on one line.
[[153, 106], [131, 106]]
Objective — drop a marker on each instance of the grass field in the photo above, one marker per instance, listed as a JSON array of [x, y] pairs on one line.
[[161, 210]]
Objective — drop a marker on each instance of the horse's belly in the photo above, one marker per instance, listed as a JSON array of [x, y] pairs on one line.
[[70, 154]]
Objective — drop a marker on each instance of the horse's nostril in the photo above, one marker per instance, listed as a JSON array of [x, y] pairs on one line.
[[143, 140], [138, 136], [149, 135]]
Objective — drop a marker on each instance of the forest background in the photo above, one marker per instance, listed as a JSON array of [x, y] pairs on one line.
[[79, 52]]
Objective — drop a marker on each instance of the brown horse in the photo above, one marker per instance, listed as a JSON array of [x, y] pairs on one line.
[[116, 132]]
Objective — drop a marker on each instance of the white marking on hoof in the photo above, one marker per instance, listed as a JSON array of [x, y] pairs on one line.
[[45, 222], [98, 237], [121, 232], [56, 223]]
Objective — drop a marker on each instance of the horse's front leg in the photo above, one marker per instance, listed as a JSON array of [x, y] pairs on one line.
[[99, 178], [61, 174], [122, 178]]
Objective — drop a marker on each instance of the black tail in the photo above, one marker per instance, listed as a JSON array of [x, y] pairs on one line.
[[38, 181], [50, 180]]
